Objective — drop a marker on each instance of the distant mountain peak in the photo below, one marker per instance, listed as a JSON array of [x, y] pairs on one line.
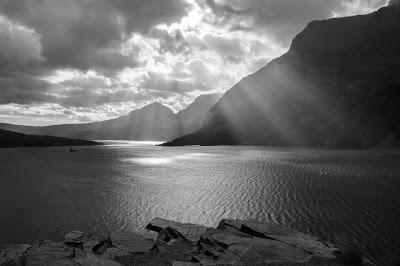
[[156, 104]]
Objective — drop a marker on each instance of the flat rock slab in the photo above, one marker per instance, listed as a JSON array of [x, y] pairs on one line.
[[264, 251], [226, 247], [191, 232], [284, 234], [223, 238], [131, 242]]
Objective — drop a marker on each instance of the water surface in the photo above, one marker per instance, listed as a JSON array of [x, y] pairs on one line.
[[346, 197]]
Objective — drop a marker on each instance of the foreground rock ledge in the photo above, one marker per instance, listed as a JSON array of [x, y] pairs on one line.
[[164, 242]]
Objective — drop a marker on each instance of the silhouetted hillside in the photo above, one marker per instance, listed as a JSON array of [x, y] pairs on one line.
[[10, 139], [338, 86]]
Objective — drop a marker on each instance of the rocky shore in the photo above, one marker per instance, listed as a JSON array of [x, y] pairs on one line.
[[164, 242]]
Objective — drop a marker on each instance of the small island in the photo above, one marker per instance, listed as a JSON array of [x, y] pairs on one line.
[[164, 242], [9, 139]]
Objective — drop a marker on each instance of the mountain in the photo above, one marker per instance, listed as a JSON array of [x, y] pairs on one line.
[[152, 122], [10, 139], [338, 86], [191, 118]]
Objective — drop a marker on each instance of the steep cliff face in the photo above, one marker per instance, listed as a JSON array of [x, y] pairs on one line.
[[338, 86]]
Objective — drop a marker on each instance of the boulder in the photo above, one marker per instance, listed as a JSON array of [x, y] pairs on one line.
[[191, 232], [95, 244], [50, 253], [99, 248], [74, 238], [13, 254], [208, 254], [172, 242], [113, 253], [150, 234], [169, 235], [131, 242]]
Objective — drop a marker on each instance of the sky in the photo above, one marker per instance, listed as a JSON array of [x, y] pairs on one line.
[[75, 61]]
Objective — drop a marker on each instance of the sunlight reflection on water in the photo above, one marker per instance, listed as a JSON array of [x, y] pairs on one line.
[[149, 160], [127, 143], [166, 160]]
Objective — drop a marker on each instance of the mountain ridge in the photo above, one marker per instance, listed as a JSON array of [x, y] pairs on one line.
[[151, 122], [336, 87]]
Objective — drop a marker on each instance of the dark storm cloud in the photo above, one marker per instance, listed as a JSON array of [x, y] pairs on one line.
[[23, 89], [283, 18], [20, 52], [74, 31], [38, 36], [79, 97], [225, 10]]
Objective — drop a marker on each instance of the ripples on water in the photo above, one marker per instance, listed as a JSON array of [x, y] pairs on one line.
[[350, 197]]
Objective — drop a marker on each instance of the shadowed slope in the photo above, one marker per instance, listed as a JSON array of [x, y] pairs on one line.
[[337, 86], [192, 117]]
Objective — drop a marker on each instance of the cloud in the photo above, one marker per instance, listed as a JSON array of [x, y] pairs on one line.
[[167, 86], [229, 48], [87, 34], [169, 42], [38, 37], [23, 89], [19, 45], [284, 18]]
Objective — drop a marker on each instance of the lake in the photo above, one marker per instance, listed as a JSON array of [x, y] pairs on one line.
[[346, 197]]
